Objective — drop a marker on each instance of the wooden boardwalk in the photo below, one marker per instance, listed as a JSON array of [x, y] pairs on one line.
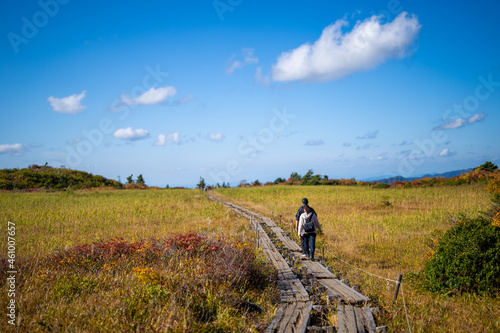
[[353, 314]]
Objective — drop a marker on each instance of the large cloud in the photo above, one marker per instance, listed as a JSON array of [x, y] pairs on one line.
[[69, 105], [131, 134], [337, 54]]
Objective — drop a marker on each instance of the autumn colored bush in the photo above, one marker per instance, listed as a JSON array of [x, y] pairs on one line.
[[185, 282]]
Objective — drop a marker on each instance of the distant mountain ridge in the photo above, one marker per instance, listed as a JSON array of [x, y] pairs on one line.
[[448, 174]]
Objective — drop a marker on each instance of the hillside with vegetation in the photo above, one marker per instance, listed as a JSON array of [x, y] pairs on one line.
[[47, 177]]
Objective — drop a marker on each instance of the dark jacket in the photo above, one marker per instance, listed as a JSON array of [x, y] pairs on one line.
[[301, 211]]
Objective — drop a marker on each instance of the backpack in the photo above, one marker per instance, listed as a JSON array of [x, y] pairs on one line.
[[309, 224]]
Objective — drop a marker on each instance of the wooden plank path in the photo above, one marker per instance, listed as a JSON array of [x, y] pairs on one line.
[[355, 319], [296, 304]]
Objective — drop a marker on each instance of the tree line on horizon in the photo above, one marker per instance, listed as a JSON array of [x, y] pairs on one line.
[[47, 177], [479, 173]]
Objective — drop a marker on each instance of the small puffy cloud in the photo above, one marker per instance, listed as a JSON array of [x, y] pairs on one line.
[[369, 135], [337, 54], [246, 58], [130, 134], [446, 153], [152, 96], [346, 144], [14, 149], [218, 137], [173, 138], [314, 143], [68, 105], [162, 140], [461, 122]]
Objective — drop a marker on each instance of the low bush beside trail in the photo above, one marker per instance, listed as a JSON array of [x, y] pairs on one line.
[[185, 282]]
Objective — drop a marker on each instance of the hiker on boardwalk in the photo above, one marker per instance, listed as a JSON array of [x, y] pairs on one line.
[[300, 211], [308, 228]]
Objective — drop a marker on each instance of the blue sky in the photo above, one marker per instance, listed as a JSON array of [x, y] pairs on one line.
[[236, 90]]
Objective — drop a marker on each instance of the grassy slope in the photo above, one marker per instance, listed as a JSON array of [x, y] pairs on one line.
[[386, 232], [61, 288], [53, 221]]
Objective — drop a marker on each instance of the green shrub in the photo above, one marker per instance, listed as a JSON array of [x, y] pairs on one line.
[[381, 185], [73, 286], [467, 259]]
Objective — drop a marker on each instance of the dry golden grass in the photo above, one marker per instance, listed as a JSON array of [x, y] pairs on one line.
[[52, 221], [74, 275], [386, 232]]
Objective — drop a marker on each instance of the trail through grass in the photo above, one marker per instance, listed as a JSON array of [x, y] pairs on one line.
[[387, 232]]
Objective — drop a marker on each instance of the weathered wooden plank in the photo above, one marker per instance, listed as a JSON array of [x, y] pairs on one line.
[[292, 290], [284, 271], [287, 241], [317, 270], [293, 317], [340, 291], [351, 319], [369, 320], [268, 221]]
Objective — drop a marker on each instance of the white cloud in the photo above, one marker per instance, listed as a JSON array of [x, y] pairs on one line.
[[174, 138], [162, 140], [447, 153], [131, 134], [248, 58], [216, 137], [152, 96], [15, 149], [69, 105], [461, 122], [337, 54]]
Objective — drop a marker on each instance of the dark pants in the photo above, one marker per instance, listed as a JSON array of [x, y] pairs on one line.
[[308, 244]]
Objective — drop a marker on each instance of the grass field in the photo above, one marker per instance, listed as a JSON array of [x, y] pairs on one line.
[[387, 232], [129, 261]]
